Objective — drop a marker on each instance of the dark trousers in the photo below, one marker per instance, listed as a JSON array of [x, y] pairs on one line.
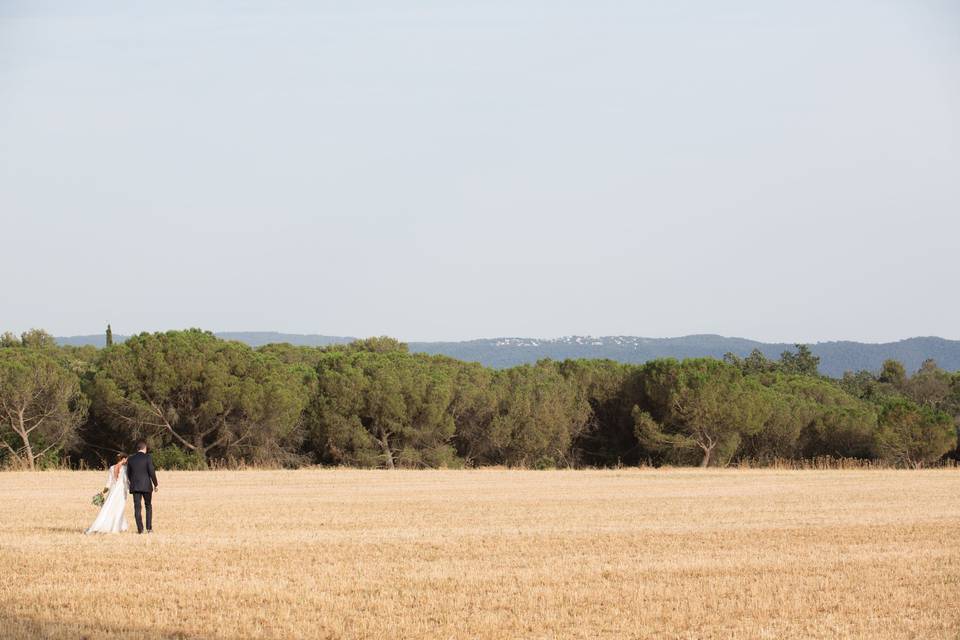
[[148, 501]]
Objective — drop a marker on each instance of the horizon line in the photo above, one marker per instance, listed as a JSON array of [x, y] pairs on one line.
[[521, 337]]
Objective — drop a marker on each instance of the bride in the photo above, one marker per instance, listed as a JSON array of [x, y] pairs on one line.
[[111, 519]]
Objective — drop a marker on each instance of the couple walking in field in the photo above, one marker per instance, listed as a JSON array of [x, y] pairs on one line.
[[134, 474]]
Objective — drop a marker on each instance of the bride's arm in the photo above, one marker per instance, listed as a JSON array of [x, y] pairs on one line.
[[109, 484]]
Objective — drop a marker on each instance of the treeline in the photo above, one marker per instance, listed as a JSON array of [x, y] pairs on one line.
[[201, 400]]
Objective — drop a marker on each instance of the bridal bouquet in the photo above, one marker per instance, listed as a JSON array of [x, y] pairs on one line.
[[97, 500]]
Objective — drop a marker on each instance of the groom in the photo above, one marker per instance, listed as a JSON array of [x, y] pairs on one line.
[[143, 482]]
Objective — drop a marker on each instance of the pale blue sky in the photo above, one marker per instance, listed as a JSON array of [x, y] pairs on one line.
[[448, 170]]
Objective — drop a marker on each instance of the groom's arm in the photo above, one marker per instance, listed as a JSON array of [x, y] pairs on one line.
[[152, 472]]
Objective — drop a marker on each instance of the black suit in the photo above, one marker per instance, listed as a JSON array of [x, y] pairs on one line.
[[143, 479]]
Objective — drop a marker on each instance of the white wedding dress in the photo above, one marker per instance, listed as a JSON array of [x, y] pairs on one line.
[[111, 519]]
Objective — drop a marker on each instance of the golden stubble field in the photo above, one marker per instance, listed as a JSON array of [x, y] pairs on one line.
[[489, 554]]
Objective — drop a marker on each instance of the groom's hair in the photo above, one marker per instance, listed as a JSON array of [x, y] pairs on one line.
[[141, 444]]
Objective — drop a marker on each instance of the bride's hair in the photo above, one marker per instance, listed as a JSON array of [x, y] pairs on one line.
[[121, 456]]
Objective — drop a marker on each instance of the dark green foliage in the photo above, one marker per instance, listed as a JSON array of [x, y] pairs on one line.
[[201, 399], [832, 422], [914, 435], [382, 407], [539, 415], [702, 406], [41, 405], [292, 354], [611, 390], [173, 457], [32, 339], [802, 362], [788, 416], [206, 395], [931, 386], [755, 363], [379, 344], [893, 373]]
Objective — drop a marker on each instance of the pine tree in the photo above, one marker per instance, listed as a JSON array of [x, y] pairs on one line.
[[109, 336]]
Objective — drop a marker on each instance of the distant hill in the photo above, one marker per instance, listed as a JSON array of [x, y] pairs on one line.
[[260, 338], [835, 357]]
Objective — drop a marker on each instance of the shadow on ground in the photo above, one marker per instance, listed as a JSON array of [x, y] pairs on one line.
[[17, 627]]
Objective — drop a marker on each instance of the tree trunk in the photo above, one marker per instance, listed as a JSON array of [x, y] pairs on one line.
[[199, 448], [705, 462], [25, 436], [385, 445]]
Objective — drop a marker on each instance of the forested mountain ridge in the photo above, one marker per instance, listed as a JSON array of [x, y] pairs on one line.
[[835, 357]]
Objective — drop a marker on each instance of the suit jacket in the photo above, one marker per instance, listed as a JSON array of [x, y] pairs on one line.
[[140, 471]]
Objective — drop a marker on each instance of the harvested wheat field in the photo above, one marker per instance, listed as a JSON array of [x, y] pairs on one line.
[[490, 554]]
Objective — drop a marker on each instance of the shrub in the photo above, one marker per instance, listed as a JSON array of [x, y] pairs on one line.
[[543, 463], [174, 458]]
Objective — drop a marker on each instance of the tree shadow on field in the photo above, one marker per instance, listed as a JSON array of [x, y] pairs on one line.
[[18, 627]]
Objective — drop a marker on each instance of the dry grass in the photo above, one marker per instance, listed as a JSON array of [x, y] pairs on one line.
[[490, 554]]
